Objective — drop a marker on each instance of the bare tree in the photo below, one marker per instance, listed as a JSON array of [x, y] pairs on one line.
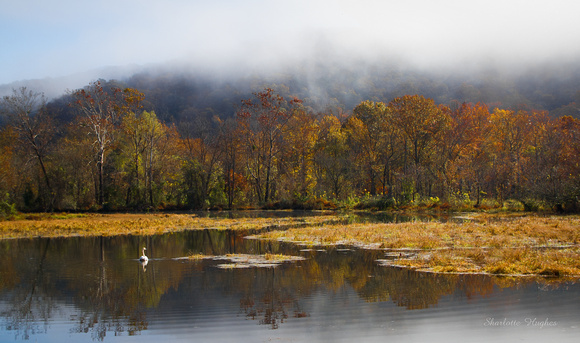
[[26, 113]]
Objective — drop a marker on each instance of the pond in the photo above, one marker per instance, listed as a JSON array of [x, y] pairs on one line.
[[95, 289]]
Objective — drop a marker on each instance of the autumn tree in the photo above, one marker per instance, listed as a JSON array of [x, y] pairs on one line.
[[421, 123], [509, 139], [332, 158], [375, 141], [160, 156], [75, 157], [26, 112], [8, 172], [539, 160], [230, 143], [297, 162], [569, 164], [364, 129], [143, 135], [202, 154], [134, 128], [460, 159], [262, 120]]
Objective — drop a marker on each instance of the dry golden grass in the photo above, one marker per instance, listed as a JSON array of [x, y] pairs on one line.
[[494, 244], [499, 261], [138, 224], [491, 232]]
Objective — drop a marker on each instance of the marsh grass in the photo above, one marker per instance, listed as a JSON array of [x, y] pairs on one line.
[[503, 261], [493, 244], [487, 232], [140, 224]]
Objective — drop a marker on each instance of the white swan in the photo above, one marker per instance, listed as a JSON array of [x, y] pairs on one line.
[[144, 258]]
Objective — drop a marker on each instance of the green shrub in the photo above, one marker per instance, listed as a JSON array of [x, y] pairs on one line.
[[513, 205], [380, 203], [7, 209], [534, 205]]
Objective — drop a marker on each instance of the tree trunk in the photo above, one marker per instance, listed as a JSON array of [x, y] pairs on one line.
[[267, 186], [150, 176], [100, 171]]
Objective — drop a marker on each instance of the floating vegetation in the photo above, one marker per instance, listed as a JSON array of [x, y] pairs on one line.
[[235, 266], [198, 257], [256, 261], [247, 260]]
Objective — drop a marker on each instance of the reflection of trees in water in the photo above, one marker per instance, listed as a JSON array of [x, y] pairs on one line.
[[112, 305], [334, 269], [109, 296], [30, 304], [404, 287], [117, 298], [272, 295], [221, 242], [407, 288], [271, 299]]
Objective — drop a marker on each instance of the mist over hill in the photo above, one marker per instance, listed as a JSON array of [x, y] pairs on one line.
[[54, 87], [337, 87], [180, 91]]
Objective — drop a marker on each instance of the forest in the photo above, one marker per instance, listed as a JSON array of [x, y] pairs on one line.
[[170, 142]]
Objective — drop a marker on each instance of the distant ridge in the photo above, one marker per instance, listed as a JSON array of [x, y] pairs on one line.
[[54, 87]]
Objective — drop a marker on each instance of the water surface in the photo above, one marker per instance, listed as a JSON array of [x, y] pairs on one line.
[[95, 289]]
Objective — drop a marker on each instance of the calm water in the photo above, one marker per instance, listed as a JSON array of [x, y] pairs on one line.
[[94, 289]]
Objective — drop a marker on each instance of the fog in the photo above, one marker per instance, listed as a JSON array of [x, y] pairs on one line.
[[72, 42]]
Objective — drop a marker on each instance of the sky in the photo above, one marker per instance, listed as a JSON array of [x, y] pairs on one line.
[[47, 39]]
